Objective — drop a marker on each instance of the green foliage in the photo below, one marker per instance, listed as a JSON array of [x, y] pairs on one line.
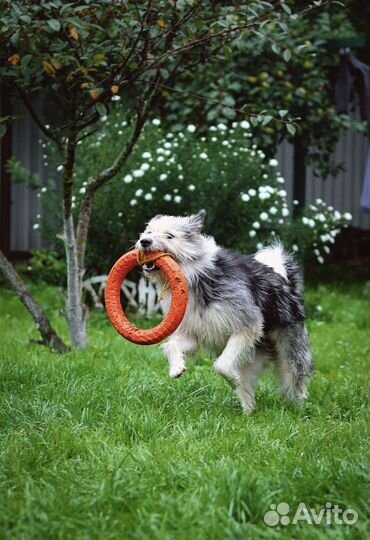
[[102, 444], [285, 66], [84, 55], [179, 173], [48, 267]]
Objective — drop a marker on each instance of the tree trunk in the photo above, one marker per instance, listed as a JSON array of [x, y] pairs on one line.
[[76, 316], [48, 334]]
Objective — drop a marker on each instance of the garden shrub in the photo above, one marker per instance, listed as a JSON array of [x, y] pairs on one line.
[[181, 172]]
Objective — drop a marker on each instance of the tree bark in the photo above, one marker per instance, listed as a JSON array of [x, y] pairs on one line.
[[76, 315], [48, 334]]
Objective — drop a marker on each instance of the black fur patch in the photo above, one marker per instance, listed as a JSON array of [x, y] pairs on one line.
[[236, 276]]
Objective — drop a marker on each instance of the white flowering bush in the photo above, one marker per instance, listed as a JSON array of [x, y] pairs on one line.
[[181, 172]]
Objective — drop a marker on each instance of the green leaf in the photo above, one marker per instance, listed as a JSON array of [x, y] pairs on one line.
[[54, 25], [266, 119], [287, 55], [283, 112], [101, 109], [291, 129], [25, 18], [275, 48], [2, 131]]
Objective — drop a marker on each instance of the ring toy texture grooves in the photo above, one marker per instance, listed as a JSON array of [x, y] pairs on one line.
[[179, 290]]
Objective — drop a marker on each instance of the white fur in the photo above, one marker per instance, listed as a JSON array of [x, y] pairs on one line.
[[273, 256]]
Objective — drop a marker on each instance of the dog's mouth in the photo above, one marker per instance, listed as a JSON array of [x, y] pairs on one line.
[[149, 267]]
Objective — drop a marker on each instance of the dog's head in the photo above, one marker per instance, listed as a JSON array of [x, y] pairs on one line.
[[180, 236]]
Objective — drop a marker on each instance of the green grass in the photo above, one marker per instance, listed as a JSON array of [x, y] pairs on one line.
[[103, 445]]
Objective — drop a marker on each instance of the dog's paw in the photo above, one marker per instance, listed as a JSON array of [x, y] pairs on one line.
[[177, 371]]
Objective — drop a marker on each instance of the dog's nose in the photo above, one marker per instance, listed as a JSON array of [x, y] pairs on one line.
[[146, 242]]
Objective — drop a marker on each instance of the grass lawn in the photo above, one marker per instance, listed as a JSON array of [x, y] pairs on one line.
[[103, 445]]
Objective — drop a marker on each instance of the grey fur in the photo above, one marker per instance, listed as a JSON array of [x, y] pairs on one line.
[[247, 309]]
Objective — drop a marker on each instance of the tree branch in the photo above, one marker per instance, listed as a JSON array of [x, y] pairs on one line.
[[36, 118], [48, 334]]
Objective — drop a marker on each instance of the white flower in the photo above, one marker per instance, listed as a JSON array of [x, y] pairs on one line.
[[311, 223], [337, 214], [163, 176], [127, 179], [252, 233], [295, 202], [252, 192], [104, 118], [203, 155], [221, 127], [295, 247], [36, 226], [148, 196], [282, 193], [119, 214], [139, 192], [326, 249], [273, 163], [177, 199], [115, 98], [138, 173], [256, 225], [191, 128], [305, 220], [285, 212], [264, 216], [167, 197], [244, 124], [160, 158], [181, 177], [347, 216], [273, 210], [316, 252], [153, 189], [147, 155], [213, 139], [212, 128], [156, 122], [60, 168], [191, 187], [319, 201], [259, 245], [245, 197], [280, 180], [264, 195], [320, 259], [83, 190], [133, 202], [321, 217], [167, 145], [44, 189], [145, 166]]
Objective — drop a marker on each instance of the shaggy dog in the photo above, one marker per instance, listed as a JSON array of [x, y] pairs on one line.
[[248, 310]]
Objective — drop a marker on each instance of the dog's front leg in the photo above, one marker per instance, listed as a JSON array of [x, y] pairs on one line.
[[239, 350], [176, 349]]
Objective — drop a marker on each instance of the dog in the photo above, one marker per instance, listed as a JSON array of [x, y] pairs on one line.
[[247, 310]]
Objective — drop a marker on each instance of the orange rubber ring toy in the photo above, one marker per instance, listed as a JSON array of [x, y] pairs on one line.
[[179, 290]]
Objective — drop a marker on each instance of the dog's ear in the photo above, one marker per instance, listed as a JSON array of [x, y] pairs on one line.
[[196, 221], [156, 217]]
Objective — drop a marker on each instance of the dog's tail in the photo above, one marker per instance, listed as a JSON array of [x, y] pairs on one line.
[[282, 262]]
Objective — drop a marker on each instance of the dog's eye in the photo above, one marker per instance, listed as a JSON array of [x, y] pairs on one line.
[[169, 236]]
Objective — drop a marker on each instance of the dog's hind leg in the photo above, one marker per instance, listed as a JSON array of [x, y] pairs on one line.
[[295, 365], [176, 349]]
